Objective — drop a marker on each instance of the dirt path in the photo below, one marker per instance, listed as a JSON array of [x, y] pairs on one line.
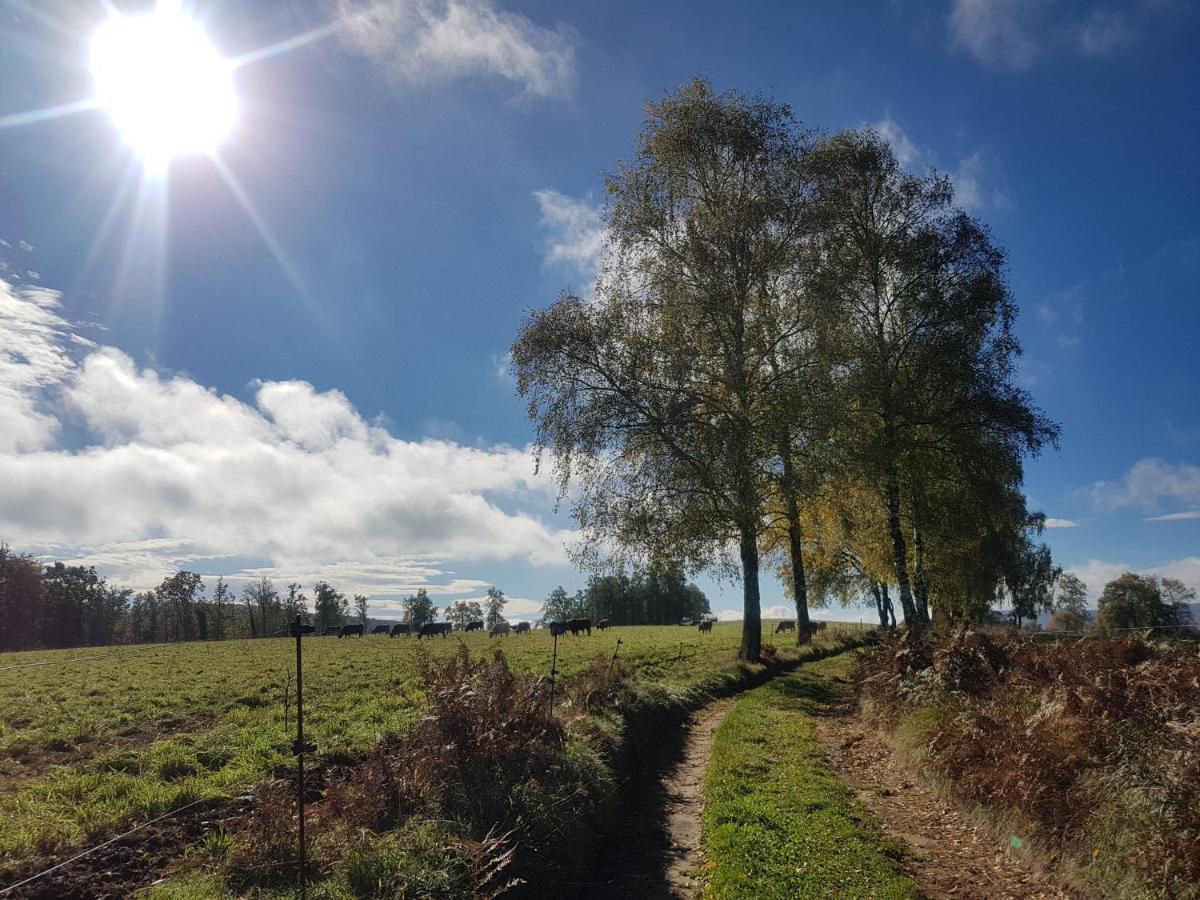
[[656, 853], [948, 855]]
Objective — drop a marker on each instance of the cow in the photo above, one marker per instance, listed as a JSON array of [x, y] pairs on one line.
[[500, 628], [602, 625], [381, 629], [819, 626], [787, 625], [578, 625], [705, 626], [400, 628], [521, 628], [477, 625], [558, 628], [429, 629], [304, 629], [349, 630]]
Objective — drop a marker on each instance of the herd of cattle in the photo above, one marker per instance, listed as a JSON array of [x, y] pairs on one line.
[[574, 626]]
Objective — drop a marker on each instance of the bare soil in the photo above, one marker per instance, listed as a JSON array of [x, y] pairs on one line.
[[656, 853], [949, 855]]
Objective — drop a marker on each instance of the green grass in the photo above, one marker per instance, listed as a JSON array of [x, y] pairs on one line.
[[776, 823], [92, 739]]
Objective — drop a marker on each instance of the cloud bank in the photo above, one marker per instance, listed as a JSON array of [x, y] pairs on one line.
[[422, 40], [290, 481]]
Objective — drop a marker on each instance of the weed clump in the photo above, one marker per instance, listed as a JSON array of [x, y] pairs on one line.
[[1095, 745]]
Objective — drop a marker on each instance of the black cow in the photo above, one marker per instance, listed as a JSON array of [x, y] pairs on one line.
[[578, 625], [400, 628], [602, 625], [705, 626], [787, 625], [429, 629], [381, 629], [558, 628], [349, 630], [819, 626], [521, 628], [477, 625]]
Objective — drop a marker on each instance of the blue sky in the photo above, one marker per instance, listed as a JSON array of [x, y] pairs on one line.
[[331, 400]]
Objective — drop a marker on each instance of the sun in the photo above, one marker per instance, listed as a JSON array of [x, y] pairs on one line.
[[163, 83]]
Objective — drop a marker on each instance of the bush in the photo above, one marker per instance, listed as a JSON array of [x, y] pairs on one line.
[[1092, 743]]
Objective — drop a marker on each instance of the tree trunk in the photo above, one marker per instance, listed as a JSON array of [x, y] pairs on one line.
[[900, 555], [250, 612], [804, 630], [751, 607], [921, 588], [880, 609], [887, 603]]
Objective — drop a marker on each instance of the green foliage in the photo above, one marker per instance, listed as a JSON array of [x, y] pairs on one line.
[[654, 595], [460, 612], [777, 823], [560, 606], [419, 609], [1144, 601], [495, 607], [329, 606]]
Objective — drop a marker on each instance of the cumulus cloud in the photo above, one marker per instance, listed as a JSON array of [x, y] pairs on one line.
[[1148, 484], [175, 473], [1014, 34], [1061, 523], [576, 231], [418, 40], [999, 33], [907, 153], [1096, 573]]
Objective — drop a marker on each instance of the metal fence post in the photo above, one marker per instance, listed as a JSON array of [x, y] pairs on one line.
[[299, 748]]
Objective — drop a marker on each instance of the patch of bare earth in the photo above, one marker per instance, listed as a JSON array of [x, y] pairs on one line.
[[949, 856], [656, 851]]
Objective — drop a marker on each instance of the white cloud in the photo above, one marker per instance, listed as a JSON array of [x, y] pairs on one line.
[[175, 473], [998, 33], [1184, 516], [576, 230], [1104, 32], [426, 39], [1061, 523], [1097, 573], [907, 153], [976, 185], [1147, 484]]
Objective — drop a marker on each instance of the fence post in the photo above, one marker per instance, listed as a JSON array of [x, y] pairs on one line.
[[613, 661], [299, 748], [553, 671]]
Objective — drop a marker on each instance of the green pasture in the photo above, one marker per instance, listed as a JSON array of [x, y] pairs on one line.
[[94, 738]]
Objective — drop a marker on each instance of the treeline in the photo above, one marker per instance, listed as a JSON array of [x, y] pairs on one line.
[[797, 355], [56, 605], [650, 596]]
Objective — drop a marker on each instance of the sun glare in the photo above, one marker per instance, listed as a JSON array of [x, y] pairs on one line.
[[163, 83]]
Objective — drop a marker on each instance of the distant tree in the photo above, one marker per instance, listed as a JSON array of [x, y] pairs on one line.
[[494, 605], [1070, 594], [222, 602], [330, 606], [266, 599], [360, 608], [1144, 601], [20, 599], [178, 596], [1029, 581], [295, 603], [460, 612], [419, 609], [560, 605]]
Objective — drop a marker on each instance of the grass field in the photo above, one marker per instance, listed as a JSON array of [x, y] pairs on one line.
[[776, 823], [94, 738]]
